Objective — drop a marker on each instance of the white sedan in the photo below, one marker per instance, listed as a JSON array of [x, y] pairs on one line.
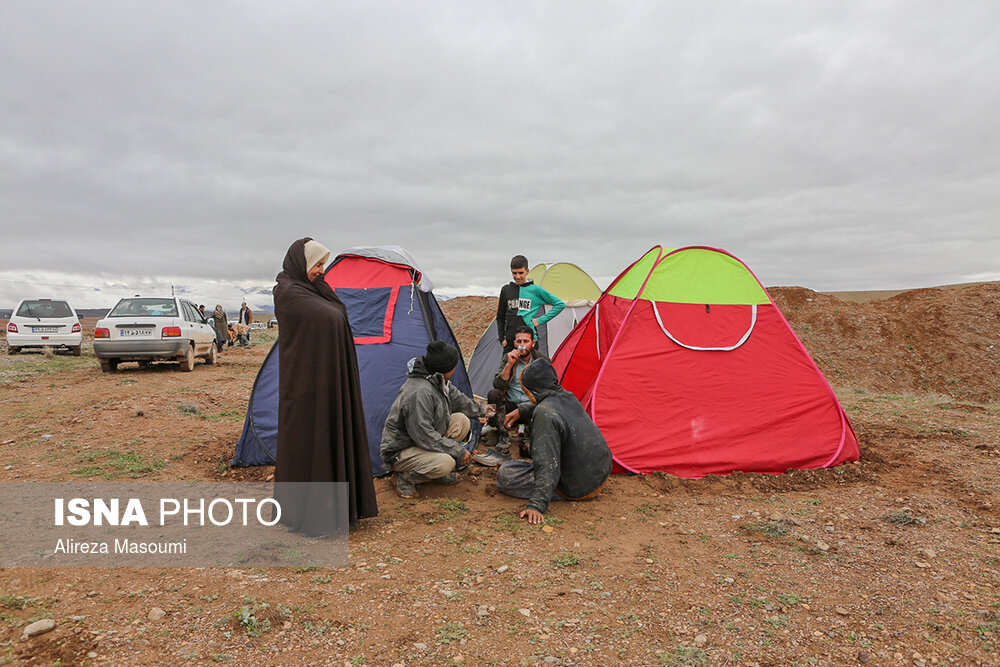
[[147, 329], [44, 323]]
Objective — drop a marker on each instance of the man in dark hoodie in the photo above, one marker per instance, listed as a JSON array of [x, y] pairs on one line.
[[423, 439], [571, 458]]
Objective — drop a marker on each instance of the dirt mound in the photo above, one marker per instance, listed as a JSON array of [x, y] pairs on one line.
[[939, 340], [469, 316]]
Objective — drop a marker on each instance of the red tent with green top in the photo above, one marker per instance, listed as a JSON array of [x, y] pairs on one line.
[[688, 367]]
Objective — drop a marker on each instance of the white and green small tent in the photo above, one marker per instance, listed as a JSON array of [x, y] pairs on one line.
[[566, 281]]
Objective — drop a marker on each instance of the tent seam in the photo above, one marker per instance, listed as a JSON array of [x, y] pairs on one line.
[[611, 348]]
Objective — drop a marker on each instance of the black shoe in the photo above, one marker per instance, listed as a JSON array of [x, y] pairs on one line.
[[492, 457], [447, 480], [406, 485]]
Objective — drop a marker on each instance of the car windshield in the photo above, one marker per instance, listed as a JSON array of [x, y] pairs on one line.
[[145, 307], [44, 309]]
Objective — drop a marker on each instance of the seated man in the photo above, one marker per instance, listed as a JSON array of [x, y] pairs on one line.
[[428, 423], [570, 456], [242, 334], [507, 394]]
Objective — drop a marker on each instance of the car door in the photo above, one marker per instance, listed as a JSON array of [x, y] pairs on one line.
[[206, 328], [187, 324], [195, 328]]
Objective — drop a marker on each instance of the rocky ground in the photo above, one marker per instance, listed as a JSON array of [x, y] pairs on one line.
[[894, 560]]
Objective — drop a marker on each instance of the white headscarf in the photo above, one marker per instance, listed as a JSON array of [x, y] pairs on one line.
[[315, 252]]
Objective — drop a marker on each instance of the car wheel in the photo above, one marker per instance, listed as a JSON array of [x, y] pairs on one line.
[[76, 350], [109, 365], [187, 363], [213, 355], [11, 349], [145, 364]]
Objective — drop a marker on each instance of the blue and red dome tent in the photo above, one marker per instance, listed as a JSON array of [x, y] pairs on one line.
[[393, 316]]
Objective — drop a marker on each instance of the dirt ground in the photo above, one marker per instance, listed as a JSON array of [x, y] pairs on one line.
[[894, 560]]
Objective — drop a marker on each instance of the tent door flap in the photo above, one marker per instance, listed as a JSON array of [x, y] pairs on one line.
[[370, 312], [717, 326]]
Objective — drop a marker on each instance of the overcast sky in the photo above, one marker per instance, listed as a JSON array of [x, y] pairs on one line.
[[835, 145]]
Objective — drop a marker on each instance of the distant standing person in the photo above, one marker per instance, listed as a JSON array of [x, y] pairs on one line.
[[246, 319], [246, 315], [321, 421], [221, 326], [520, 304]]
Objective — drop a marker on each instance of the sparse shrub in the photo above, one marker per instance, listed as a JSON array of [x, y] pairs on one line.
[[777, 621], [646, 509], [451, 632], [451, 505], [112, 464], [451, 509], [15, 601], [988, 629], [252, 618], [566, 559], [770, 528], [684, 656], [903, 518]]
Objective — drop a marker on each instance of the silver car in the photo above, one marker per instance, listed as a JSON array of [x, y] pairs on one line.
[[148, 329]]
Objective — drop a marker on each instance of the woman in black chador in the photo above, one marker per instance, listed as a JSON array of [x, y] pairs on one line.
[[321, 421]]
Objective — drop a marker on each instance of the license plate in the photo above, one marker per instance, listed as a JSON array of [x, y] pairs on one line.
[[44, 329], [132, 333]]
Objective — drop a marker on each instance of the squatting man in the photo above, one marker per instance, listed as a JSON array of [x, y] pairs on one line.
[[424, 439], [425, 436]]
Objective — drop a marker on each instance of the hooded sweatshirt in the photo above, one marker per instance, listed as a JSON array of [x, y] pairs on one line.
[[419, 416], [570, 455], [519, 304]]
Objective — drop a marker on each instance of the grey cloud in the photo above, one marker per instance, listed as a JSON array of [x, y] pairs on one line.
[[832, 145]]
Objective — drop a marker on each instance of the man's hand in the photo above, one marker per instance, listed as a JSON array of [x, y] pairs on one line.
[[491, 411], [534, 320], [511, 418], [513, 357], [503, 343], [467, 459], [533, 516]]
